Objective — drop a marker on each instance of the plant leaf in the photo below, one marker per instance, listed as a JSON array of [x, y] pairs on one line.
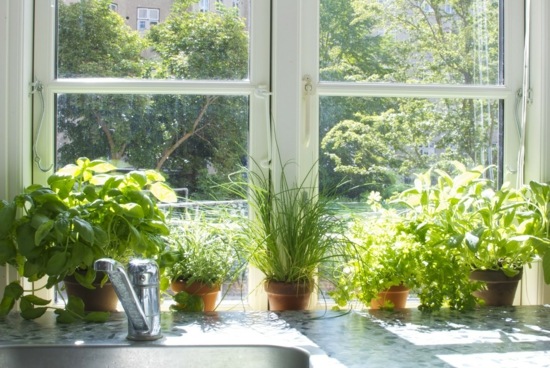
[[100, 166], [455, 240], [139, 177], [33, 313], [98, 317], [86, 279], [35, 300], [7, 216], [84, 229], [56, 263], [12, 292], [7, 251], [62, 183], [75, 305], [163, 192], [472, 241], [64, 316], [132, 210], [43, 231], [25, 239]]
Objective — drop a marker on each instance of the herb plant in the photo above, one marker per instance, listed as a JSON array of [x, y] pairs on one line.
[[87, 211]]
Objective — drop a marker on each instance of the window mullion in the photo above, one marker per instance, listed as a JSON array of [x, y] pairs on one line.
[[412, 90], [143, 86]]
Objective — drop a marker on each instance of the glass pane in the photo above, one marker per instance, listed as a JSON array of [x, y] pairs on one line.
[[378, 144], [170, 40], [411, 41], [195, 140]]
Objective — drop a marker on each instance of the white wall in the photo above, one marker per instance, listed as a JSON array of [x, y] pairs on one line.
[[15, 101], [537, 156]]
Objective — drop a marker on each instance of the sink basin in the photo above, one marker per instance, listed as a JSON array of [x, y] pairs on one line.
[[136, 356]]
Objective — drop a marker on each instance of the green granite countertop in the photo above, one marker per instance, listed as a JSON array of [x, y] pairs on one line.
[[488, 337]]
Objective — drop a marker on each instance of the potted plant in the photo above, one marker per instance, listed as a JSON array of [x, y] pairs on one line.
[[291, 234], [87, 211], [201, 255], [383, 263], [538, 195], [481, 229]]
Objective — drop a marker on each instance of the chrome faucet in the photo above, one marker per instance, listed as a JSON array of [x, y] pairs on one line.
[[138, 292]]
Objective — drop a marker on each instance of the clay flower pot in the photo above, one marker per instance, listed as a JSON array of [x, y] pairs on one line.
[[208, 294], [396, 295], [287, 296], [500, 289], [100, 299]]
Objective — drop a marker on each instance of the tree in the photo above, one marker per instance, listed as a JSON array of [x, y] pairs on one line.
[[350, 49], [199, 131], [178, 134], [434, 41], [95, 42]]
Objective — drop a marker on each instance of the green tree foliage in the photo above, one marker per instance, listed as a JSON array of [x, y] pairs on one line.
[[95, 42], [203, 45], [209, 45], [429, 41], [178, 134], [349, 50]]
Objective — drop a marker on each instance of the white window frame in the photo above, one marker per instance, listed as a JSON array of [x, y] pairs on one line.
[[151, 17], [204, 5]]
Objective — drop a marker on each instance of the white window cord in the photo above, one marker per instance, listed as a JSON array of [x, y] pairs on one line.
[[37, 87]]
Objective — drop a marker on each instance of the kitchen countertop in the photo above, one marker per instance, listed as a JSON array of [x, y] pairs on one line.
[[489, 337]]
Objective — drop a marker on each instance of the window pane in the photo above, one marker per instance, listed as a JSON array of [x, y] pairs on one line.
[[411, 41], [195, 140], [378, 144], [174, 40]]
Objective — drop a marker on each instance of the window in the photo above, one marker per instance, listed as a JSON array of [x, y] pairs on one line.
[[113, 95], [418, 74], [146, 18], [204, 5], [353, 77]]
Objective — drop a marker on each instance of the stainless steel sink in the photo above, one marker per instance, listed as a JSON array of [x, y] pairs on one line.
[[155, 356]]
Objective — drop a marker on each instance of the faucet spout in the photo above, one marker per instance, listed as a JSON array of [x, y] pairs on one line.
[[138, 292]]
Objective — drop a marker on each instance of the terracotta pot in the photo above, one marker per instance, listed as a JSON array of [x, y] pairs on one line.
[[288, 296], [100, 299], [397, 295], [500, 289], [209, 295]]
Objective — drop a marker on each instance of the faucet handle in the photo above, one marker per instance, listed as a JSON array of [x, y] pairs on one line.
[[143, 272]]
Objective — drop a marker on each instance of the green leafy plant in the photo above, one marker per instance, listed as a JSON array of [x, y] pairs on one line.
[[538, 194], [381, 254], [291, 231], [202, 250], [465, 224], [87, 211], [206, 251]]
